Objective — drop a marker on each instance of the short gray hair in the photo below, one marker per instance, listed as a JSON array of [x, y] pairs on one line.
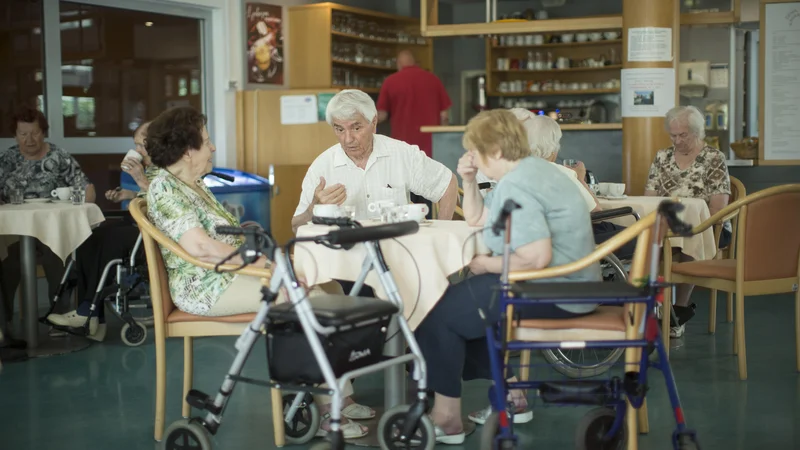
[[691, 115], [349, 103], [544, 134]]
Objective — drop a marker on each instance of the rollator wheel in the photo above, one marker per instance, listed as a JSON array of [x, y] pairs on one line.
[[186, 434], [687, 442], [594, 426], [390, 427], [305, 423], [133, 336]]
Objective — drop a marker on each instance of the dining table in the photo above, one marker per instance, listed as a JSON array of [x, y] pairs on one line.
[[420, 263], [62, 227], [701, 246]]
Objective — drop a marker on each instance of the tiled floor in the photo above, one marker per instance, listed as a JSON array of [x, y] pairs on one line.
[[103, 397]]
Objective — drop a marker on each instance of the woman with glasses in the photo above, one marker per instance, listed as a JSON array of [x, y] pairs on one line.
[[691, 169]]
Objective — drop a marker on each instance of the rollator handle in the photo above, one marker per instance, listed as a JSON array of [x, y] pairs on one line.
[[235, 231], [349, 236], [337, 221], [500, 224], [669, 210]]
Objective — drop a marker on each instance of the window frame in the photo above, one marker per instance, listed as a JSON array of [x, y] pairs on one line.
[[53, 89]]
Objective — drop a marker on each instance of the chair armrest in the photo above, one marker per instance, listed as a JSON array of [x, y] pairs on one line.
[[614, 213]]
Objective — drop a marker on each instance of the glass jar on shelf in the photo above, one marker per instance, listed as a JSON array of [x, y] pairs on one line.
[[358, 57]]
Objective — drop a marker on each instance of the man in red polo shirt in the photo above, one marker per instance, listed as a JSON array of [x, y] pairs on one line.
[[412, 98]]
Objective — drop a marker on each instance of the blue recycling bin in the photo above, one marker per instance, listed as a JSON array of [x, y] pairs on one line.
[[247, 197]]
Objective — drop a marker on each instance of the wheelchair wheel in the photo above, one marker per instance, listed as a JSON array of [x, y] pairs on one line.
[[390, 428], [594, 426], [133, 336], [491, 428], [186, 434], [140, 313], [590, 362], [305, 423]]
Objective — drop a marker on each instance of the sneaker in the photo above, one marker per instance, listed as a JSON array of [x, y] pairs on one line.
[[73, 320], [480, 417], [677, 332]]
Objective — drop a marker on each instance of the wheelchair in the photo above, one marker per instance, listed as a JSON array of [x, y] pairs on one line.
[[613, 421], [326, 339], [586, 363], [128, 297]]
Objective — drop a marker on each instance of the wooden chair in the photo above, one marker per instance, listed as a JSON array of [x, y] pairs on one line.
[[605, 323], [767, 257], [737, 191], [171, 322]]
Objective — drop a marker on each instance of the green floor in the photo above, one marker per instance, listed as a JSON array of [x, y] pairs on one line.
[[103, 397]]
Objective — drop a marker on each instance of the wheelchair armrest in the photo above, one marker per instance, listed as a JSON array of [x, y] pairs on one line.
[[118, 214], [614, 213]]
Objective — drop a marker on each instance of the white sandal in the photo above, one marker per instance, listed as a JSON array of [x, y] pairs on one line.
[[354, 411], [350, 430]]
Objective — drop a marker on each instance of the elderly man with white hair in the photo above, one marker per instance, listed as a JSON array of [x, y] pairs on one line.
[[365, 167], [692, 169]]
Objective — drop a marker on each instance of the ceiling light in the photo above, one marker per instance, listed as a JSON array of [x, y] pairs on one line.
[[148, 24]]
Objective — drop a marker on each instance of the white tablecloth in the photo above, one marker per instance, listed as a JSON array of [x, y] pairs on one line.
[[61, 226], [699, 247], [420, 263]]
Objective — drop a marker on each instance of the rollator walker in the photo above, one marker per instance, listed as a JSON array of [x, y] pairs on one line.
[[326, 339], [625, 320]]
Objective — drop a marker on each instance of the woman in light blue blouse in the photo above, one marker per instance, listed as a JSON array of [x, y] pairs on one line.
[[551, 228]]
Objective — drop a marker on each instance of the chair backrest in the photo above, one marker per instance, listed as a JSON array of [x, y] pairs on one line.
[[157, 271], [769, 227], [737, 190]]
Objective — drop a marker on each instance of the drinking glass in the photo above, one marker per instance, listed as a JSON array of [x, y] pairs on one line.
[[570, 162], [348, 211], [16, 196], [78, 195]]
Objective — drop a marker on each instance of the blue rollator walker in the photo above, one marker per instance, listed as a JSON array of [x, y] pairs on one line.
[[323, 339], [612, 423]]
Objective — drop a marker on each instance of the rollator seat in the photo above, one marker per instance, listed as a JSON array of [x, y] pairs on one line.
[[579, 290], [337, 310], [603, 324]]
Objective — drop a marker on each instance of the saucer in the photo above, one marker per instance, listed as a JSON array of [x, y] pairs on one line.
[[37, 200], [606, 197]]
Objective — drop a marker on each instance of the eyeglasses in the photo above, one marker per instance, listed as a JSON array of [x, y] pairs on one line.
[[34, 135]]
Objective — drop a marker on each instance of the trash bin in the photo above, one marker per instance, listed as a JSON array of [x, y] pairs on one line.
[[247, 197]]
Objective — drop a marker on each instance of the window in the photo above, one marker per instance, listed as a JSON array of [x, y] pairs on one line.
[[21, 51], [113, 62]]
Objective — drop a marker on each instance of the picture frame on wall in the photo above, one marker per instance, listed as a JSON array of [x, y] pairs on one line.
[[264, 52]]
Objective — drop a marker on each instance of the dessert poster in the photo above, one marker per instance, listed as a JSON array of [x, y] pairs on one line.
[[264, 43]]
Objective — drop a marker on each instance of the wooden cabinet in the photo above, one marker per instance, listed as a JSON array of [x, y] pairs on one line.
[[337, 46]]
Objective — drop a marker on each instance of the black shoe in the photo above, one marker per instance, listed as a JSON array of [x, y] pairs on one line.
[[683, 313]]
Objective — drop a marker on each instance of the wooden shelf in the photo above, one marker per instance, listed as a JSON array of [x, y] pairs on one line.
[[583, 24], [571, 69], [375, 41], [553, 93], [564, 127], [354, 10], [562, 44], [362, 65], [708, 18], [367, 90]]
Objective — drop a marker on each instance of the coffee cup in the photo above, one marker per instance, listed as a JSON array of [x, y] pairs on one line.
[[595, 36], [61, 193], [611, 189], [133, 154], [329, 211], [376, 207], [567, 38], [582, 37], [416, 212]]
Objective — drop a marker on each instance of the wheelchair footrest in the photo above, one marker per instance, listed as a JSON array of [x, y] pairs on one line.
[[202, 401], [583, 392]]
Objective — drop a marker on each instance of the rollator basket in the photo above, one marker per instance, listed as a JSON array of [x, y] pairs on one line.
[[361, 324]]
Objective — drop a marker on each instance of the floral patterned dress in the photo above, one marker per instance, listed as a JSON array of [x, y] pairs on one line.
[[706, 177], [174, 208]]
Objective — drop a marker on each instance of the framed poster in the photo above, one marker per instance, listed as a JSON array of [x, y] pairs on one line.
[[779, 83], [264, 26]]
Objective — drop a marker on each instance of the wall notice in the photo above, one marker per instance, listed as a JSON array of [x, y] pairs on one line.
[[649, 44], [298, 109], [647, 92], [781, 37]]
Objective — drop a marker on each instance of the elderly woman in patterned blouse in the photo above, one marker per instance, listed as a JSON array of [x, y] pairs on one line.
[[181, 206], [689, 168]]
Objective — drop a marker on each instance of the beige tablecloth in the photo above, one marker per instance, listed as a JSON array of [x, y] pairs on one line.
[[60, 226], [420, 269], [699, 247]]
